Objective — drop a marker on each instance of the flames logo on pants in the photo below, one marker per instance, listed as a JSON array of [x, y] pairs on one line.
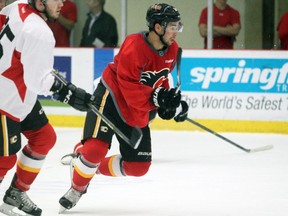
[[154, 78]]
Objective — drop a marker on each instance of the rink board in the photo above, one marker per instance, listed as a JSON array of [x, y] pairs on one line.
[[217, 125], [238, 90]]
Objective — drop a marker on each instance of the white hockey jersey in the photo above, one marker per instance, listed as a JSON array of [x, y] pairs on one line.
[[26, 59]]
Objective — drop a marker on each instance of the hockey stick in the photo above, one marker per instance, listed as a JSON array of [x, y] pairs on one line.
[[179, 55], [267, 147], [263, 148], [136, 135]]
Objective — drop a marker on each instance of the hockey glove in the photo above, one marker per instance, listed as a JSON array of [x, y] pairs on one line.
[[166, 98], [182, 112], [69, 94], [166, 114]]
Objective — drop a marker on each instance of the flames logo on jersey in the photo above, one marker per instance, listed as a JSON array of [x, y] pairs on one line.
[[154, 78]]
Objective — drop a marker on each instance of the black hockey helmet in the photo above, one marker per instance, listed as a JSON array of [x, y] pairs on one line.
[[161, 13]]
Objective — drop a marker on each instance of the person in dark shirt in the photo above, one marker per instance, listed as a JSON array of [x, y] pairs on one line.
[[100, 28]]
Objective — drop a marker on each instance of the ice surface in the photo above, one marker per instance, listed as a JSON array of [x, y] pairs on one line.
[[192, 174]]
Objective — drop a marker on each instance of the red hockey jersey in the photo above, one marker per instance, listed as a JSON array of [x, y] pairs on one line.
[[136, 71]]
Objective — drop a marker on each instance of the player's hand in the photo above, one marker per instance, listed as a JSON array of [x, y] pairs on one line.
[[76, 97], [166, 98], [166, 114], [182, 116]]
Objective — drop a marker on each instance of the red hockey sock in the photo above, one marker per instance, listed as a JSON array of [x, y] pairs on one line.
[[92, 152], [33, 155], [28, 167], [6, 163], [111, 166], [115, 166]]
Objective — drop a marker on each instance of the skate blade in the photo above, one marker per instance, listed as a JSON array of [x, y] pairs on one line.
[[61, 209], [11, 210], [73, 161], [71, 173]]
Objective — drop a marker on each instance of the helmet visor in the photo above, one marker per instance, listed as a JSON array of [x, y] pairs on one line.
[[174, 27]]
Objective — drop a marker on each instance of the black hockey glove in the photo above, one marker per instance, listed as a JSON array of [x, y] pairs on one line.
[[182, 116], [166, 98], [69, 94], [166, 114]]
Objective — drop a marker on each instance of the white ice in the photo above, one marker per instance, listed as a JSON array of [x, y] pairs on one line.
[[192, 174]]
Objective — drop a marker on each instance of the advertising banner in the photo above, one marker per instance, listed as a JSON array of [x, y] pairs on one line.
[[235, 85], [217, 84]]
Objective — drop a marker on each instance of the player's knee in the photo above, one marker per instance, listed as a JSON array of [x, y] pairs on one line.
[[94, 150], [136, 168], [41, 140], [78, 147], [50, 135]]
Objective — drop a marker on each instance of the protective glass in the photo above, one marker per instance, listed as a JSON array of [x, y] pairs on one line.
[[175, 27]]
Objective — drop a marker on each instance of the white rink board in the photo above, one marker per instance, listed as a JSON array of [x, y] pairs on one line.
[[218, 84], [82, 66], [237, 106]]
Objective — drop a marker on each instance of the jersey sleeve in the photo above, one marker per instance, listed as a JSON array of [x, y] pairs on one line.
[[203, 16], [36, 46], [235, 17]]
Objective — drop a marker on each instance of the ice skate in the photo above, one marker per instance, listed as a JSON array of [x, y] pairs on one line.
[[70, 199], [17, 203], [68, 158]]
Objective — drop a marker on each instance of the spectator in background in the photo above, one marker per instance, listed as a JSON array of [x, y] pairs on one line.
[[100, 28], [63, 26], [226, 25], [282, 29], [2, 4]]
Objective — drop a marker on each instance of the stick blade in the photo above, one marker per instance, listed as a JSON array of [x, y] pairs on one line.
[[263, 148], [136, 137]]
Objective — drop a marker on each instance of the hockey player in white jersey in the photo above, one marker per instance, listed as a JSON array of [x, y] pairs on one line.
[[26, 63]]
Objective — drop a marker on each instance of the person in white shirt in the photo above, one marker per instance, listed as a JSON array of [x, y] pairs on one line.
[[26, 70]]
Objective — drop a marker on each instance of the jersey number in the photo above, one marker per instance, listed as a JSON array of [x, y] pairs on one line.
[[5, 31]]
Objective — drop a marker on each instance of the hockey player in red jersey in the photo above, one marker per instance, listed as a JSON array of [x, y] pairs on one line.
[[133, 86], [26, 65]]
